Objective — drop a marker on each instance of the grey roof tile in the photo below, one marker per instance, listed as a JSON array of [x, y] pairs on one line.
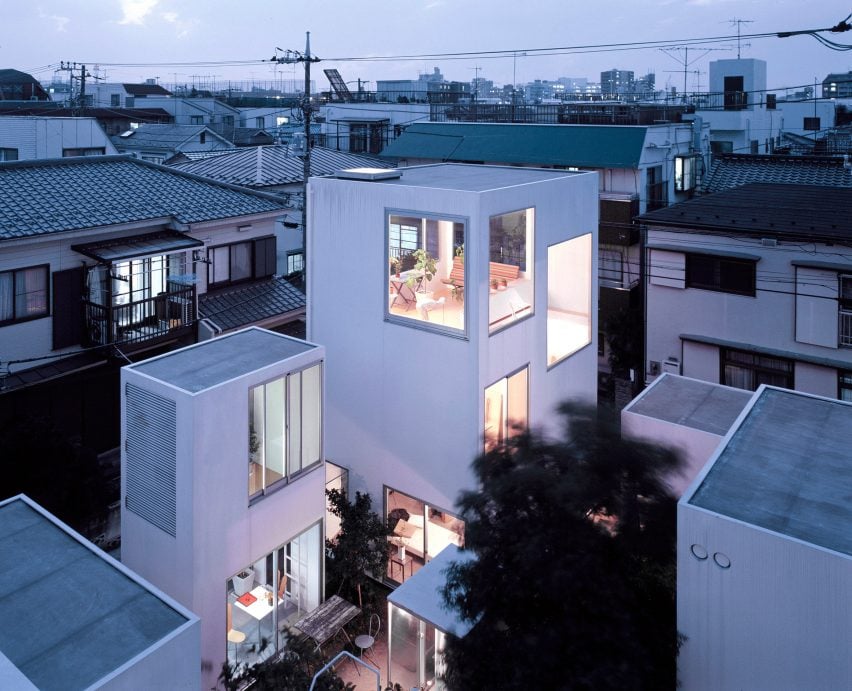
[[244, 305], [263, 166], [733, 170], [40, 197]]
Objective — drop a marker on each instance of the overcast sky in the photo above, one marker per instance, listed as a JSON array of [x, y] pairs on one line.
[[37, 35]]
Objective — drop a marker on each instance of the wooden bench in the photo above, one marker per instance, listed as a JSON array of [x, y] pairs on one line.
[[496, 272]]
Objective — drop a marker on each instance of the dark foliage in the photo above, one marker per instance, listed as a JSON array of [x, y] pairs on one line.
[[292, 671], [360, 549], [53, 470], [573, 585], [624, 332]]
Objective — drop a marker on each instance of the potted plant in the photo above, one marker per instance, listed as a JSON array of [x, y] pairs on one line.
[[425, 263], [395, 264], [494, 285]]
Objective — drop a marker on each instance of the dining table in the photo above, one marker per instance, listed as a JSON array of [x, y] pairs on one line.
[[324, 622]]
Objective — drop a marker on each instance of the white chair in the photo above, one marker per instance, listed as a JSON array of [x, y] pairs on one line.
[[426, 304], [366, 641]]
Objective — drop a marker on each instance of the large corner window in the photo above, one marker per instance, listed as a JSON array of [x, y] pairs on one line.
[[506, 409], [426, 271], [510, 268], [241, 261], [745, 370], [285, 429], [569, 297], [23, 294], [722, 274]]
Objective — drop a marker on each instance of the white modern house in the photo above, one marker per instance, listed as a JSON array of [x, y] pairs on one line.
[[24, 137], [75, 618], [753, 285], [458, 305], [222, 486], [764, 549]]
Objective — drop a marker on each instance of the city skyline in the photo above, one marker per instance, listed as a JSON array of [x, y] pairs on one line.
[[187, 42]]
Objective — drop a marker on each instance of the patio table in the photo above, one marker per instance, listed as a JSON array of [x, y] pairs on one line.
[[325, 621]]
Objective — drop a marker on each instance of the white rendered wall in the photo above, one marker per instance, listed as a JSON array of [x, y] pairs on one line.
[[404, 405], [46, 137], [700, 361], [779, 618], [768, 320], [218, 533]]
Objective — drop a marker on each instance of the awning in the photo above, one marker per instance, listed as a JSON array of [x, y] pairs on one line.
[[421, 595], [118, 249]]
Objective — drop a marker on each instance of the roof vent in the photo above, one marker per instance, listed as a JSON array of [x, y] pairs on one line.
[[368, 174]]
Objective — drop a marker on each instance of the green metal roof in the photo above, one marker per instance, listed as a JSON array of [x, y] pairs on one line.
[[581, 146]]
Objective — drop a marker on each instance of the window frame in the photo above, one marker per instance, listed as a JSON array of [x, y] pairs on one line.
[[527, 267], [252, 244], [507, 431], [755, 367], [844, 383], [6, 154], [300, 254], [719, 285], [47, 295], [287, 477]]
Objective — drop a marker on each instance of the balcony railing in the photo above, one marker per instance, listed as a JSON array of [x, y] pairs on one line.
[[142, 320], [845, 328]]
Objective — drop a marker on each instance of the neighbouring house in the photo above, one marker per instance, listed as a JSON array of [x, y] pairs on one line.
[[753, 285], [75, 618], [470, 313], [27, 137], [688, 415], [733, 170], [156, 143], [639, 168], [20, 86], [278, 169], [121, 95], [113, 120], [764, 551], [222, 486], [198, 110], [106, 256]]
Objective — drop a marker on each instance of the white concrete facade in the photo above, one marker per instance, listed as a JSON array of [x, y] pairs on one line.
[[218, 530], [795, 313], [405, 401], [48, 137]]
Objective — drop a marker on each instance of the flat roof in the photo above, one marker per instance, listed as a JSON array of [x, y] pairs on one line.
[[421, 595], [70, 615], [692, 403], [210, 363], [473, 177], [786, 468]]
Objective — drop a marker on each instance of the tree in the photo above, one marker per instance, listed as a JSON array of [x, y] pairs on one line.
[[360, 548], [573, 584], [292, 671]]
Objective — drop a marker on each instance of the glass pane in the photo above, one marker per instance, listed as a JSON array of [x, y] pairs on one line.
[[295, 424], [569, 297], [311, 415], [219, 268], [404, 648], [517, 403], [510, 277], [495, 415], [7, 296], [257, 431], [241, 261], [274, 444]]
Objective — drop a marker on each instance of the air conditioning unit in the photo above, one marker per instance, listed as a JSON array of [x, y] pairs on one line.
[[671, 365]]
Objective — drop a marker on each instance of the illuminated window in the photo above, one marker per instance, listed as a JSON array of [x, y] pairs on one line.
[[506, 409], [686, 172], [510, 268], [569, 297]]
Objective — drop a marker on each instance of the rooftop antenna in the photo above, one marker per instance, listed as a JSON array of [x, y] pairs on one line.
[[738, 23]]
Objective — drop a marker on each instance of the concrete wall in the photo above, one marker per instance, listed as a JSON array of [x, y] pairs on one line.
[[778, 618], [45, 137]]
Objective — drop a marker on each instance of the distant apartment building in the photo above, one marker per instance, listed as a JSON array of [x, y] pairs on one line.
[[616, 83], [837, 85]]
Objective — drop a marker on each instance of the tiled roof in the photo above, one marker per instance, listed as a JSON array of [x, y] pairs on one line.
[[776, 210], [733, 170], [262, 166], [231, 309], [168, 136], [40, 197], [146, 90], [586, 146]]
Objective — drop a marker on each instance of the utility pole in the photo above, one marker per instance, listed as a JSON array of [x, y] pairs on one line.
[[72, 67], [293, 57]]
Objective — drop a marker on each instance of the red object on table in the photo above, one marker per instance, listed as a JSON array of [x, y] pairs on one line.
[[246, 599]]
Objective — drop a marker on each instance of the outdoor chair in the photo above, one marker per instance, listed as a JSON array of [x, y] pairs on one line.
[[366, 641]]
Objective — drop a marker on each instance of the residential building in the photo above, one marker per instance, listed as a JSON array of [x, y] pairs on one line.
[[198, 110], [28, 137], [278, 169], [615, 83], [733, 170], [108, 255], [639, 168], [121, 95], [764, 555], [75, 618], [752, 285], [112, 120], [428, 87], [156, 143], [20, 86], [837, 85], [431, 363], [222, 486]]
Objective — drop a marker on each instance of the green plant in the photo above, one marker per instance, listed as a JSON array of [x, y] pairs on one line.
[[395, 265], [425, 262], [460, 251]]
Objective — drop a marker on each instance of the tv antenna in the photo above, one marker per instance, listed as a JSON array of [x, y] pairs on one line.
[[738, 23]]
